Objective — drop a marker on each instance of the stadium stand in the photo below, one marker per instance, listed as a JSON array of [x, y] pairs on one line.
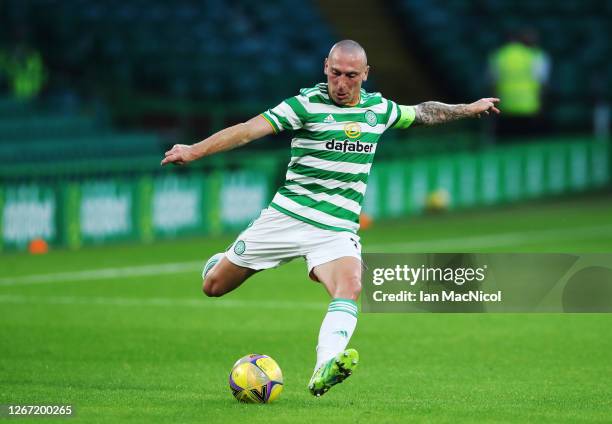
[[31, 137], [214, 52], [211, 50], [458, 35]]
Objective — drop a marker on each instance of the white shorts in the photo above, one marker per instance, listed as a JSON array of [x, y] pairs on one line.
[[275, 238]]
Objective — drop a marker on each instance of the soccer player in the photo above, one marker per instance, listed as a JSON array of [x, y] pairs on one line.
[[315, 214]]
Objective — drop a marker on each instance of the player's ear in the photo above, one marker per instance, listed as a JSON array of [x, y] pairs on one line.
[[325, 67], [365, 73]]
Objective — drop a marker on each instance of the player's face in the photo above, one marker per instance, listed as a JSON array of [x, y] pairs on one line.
[[345, 74]]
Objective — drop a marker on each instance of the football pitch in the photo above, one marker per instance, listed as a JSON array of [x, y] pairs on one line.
[[124, 333]]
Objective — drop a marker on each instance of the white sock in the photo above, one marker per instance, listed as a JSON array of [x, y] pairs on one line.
[[336, 329]]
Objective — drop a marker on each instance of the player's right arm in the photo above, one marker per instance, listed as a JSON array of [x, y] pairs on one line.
[[226, 139]]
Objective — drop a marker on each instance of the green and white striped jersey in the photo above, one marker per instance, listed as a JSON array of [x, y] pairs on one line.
[[331, 154]]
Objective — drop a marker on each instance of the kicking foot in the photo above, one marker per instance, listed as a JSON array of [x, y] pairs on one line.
[[334, 371]]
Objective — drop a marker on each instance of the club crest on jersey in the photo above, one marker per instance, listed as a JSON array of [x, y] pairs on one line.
[[348, 146], [239, 247], [371, 118], [352, 129]]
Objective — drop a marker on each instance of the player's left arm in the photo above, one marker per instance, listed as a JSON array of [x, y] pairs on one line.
[[432, 113]]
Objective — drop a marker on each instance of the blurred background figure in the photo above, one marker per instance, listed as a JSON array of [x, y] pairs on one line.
[[520, 72], [22, 67], [24, 71]]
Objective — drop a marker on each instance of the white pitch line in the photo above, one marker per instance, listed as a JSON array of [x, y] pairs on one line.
[[456, 244], [105, 273], [161, 302], [511, 239]]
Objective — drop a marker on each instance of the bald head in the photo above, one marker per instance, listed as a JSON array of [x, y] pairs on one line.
[[349, 48], [346, 68]]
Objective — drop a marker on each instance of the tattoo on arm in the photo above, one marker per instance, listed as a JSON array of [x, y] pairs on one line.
[[431, 113]]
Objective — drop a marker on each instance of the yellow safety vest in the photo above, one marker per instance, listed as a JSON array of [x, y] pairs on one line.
[[25, 76], [517, 84], [29, 79]]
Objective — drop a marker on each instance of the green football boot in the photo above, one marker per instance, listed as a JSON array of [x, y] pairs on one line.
[[334, 371]]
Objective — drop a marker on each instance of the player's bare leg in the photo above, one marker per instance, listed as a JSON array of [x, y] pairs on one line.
[[220, 276], [342, 280], [341, 277]]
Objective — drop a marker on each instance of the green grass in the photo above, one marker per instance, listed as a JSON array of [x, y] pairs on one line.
[[153, 349]]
